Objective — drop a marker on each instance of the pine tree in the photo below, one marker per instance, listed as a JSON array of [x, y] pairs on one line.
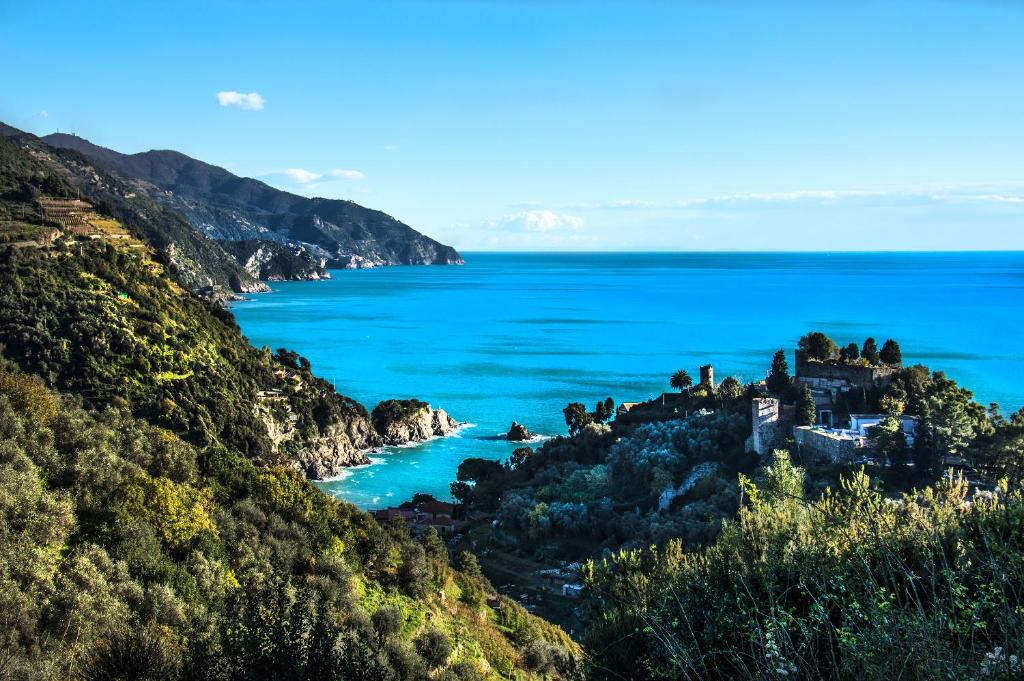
[[806, 410], [891, 353], [870, 352], [778, 376]]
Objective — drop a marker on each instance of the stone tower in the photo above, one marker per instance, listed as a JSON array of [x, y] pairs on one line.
[[765, 424], [707, 376]]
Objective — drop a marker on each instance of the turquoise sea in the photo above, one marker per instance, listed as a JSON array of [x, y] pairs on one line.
[[517, 336]]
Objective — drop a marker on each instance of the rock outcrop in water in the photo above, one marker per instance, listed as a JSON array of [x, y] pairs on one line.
[[400, 422], [518, 433]]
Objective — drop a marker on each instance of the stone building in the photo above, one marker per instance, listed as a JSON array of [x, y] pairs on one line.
[[770, 423], [831, 381], [707, 376]]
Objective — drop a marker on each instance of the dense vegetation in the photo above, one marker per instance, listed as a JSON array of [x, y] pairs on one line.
[[124, 548], [651, 475], [150, 528], [692, 576], [851, 585]]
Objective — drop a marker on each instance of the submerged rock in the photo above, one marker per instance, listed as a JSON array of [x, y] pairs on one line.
[[400, 422], [518, 433]]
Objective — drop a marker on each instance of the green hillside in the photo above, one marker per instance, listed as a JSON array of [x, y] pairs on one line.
[[153, 523]]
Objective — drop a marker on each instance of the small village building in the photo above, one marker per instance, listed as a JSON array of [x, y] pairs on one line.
[[386, 514], [862, 423], [831, 381], [572, 590], [446, 527], [436, 510]]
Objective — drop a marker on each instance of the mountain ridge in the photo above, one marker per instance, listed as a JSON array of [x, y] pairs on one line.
[[336, 233]]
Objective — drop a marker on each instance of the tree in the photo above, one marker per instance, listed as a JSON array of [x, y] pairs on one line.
[[890, 441], [467, 564], [475, 469], [434, 647], [818, 346], [1002, 454], [414, 573], [387, 622], [730, 389], [434, 546], [462, 492], [577, 417], [778, 376], [891, 353], [870, 352], [947, 423], [604, 410], [806, 409], [29, 394], [850, 353], [681, 380]]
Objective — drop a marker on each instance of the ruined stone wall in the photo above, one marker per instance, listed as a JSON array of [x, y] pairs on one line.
[[827, 375], [822, 446]]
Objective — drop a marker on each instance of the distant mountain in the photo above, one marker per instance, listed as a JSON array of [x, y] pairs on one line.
[[200, 260], [223, 206]]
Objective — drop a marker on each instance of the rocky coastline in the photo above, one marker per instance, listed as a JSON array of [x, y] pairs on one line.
[[400, 422], [350, 440]]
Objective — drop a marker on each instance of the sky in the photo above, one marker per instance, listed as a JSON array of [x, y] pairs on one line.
[[565, 125]]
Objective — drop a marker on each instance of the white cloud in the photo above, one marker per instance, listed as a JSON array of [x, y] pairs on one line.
[[346, 174], [536, 221], [302, 176], [43, 114], [1012, 193], [249, 101]]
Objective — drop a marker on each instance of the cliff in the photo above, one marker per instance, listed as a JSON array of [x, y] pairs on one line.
[[401, 422], [275, 261]]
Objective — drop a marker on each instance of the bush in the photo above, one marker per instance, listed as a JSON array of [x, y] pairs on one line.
[[434, 647]]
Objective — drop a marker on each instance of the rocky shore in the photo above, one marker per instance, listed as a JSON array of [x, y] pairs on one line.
[[518, 433], [400, 422]]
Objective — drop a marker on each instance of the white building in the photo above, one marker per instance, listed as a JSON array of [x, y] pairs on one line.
[[860, 423]]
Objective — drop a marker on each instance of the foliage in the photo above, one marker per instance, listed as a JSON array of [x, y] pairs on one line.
[[148, 526], [891, 353], [818, 346], [778, 375], [806, 410], [681, 380], [848, 586], [577, 417], [870, 352]]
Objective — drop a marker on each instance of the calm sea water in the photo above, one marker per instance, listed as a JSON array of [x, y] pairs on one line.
[[517, 336]]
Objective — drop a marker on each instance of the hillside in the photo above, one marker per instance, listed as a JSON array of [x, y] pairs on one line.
[[200, 262], [154, 522], [899, 562], [224, 206]]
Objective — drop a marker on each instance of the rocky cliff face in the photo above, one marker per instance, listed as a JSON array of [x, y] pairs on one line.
[[275, 261], [400, 422], [318, 452], [340, 446]]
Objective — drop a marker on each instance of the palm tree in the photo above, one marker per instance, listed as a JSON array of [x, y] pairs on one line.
[[681, 380]]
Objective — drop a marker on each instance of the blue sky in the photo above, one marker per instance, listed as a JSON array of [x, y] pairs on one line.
[[566, 125]]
